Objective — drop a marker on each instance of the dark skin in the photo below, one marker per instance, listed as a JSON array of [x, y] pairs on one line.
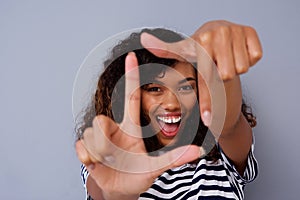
[[234, 48]]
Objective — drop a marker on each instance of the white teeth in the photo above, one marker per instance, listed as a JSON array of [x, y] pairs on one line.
[[170, 119]]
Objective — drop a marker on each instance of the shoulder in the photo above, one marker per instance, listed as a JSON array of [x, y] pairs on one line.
[[250, 172]]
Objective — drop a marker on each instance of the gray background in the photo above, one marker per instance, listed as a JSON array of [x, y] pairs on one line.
[[43, 43]]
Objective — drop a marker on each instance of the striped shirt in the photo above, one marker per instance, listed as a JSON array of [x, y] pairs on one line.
[[206, 180]]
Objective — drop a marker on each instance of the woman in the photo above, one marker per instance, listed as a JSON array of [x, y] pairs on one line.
[[166, 105]]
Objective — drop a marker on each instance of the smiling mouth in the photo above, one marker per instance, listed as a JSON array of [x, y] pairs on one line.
[[169, 125]]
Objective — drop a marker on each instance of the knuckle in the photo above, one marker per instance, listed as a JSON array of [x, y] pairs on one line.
[[238, 30], [100, 121], [84, 158], [96, 121], [87, 131], [82, 153], [205, 38], [256, 55], [250, 29], [226, 75], [224, 31], [101, 125], [242, 69]]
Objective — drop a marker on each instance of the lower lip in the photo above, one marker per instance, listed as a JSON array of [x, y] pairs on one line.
[[169, 134]]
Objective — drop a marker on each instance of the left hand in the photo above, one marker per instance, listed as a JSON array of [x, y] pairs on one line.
[[232, 47]]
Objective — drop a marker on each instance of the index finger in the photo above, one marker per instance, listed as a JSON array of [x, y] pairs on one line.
[[131, 120], [212, 94], [183, 50]]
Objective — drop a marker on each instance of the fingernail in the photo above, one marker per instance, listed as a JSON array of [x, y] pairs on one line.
[[206, 118], [90, 167], [202, 152], [131, 53]]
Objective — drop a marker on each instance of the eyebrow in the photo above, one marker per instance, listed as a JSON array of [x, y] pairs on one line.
[[180, 82], [187, 79]]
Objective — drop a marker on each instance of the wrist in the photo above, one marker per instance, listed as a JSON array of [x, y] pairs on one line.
[[233, 104]]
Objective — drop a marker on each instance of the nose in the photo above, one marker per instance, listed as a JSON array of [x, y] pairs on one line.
[[170, 102]]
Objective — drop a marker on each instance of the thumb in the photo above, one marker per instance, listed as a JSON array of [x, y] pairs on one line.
[[204, 101], [183, 50]]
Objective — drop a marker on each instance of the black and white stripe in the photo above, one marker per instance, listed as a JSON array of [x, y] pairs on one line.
[[206, 180], [84, 175]]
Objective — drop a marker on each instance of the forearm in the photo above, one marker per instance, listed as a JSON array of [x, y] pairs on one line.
[[98, 194], [93, 189], [233, 93], [236, 136]]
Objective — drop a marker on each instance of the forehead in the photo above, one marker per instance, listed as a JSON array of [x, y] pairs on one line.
[[150, 73], [179, 71]]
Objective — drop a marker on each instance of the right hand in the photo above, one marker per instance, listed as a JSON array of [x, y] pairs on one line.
[[115, 154]]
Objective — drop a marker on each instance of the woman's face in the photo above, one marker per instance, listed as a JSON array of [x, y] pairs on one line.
[[169, 100]]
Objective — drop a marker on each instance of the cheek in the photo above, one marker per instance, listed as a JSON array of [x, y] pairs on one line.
[[149, 103], [188, 102], [144, 101], [145, 118]]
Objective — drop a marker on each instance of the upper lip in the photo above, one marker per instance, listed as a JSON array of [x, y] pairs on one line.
[[170, 117]]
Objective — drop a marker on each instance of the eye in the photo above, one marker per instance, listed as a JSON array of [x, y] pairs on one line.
[[185, 88], [153, 89]]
